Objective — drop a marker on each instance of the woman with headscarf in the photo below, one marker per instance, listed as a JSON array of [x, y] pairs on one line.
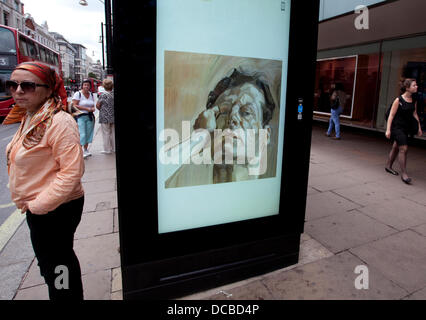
[[45, 166]]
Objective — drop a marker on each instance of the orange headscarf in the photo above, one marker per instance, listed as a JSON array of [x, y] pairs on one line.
[[48, 76]]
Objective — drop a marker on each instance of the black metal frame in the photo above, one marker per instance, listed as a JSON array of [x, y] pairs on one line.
[[173, 264]]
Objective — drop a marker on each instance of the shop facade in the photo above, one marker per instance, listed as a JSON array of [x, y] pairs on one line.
[[370, 63]]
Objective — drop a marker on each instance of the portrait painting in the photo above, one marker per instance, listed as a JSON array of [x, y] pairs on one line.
[[221, 115]]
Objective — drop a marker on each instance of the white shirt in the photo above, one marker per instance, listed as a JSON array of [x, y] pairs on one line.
[[83, 101]]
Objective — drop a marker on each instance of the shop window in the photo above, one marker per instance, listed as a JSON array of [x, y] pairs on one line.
[[401, 64], [367, 89], [340, 72], [358, 77]]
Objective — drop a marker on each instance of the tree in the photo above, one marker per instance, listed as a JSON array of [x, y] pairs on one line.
[[92, 75]]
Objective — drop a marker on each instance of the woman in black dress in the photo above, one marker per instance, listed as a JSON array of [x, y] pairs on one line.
[[403, 121]]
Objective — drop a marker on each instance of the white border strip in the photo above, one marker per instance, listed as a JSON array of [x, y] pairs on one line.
[[353, 89]]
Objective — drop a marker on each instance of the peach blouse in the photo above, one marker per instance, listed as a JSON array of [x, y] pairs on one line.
[[49, 174]]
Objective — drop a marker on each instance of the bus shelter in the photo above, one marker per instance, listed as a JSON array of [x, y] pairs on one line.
[[213, 124]]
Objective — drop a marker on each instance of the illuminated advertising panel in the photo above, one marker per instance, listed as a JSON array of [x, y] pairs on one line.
[[221, 100]]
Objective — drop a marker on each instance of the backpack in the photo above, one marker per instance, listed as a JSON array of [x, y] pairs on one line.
[[79, 95]]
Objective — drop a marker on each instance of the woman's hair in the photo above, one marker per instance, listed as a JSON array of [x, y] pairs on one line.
[[237, 78], [406, 83], [108, 84], [86, 81]]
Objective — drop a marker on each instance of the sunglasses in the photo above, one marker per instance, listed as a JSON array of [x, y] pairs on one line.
[[26, 86]]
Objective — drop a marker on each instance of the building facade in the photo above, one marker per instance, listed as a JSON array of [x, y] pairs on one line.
[[12, 14], [39, 33], [80, 70], [68, 53], [97, 70], [370, 62]]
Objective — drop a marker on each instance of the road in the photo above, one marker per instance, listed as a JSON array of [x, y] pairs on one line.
[[6, 205]]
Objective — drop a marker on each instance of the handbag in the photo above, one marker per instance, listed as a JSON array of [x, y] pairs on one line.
[[73, 110]]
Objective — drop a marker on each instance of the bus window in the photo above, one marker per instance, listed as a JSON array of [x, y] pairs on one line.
[[55, 59], [4, 76], [42, 54], [32, 50], [23, 47], [49, 57], [7, 41]]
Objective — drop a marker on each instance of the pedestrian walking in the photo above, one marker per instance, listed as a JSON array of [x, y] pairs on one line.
[[337, 102], [105, 105], [85, 102], [45, 166], [402, 122]]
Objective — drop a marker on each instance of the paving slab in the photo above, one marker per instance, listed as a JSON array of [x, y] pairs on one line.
[[99, 186], [311, 191], [117, 283], [19, 248], [400, 214], [118, 295], [346, 230], [95, 223], [418, 197], [311, 250], [370, 174], [32, 277], [34, 293], [100, 201], [99, 162], [326, 204], [98, 253], [10, 279], [90, 176], [418, 295], [331, 279], [320, 169], [420, 229], [401, 257], [255, 290], [97, 285], [370, 193], [333, 182]]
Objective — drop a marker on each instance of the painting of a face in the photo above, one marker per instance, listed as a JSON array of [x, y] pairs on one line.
[[236, 101], [241, 107]]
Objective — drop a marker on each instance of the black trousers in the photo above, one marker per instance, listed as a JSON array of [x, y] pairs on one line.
[[52, 237]]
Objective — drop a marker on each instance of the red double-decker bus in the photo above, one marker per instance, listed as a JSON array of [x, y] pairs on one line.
[[16, 47]]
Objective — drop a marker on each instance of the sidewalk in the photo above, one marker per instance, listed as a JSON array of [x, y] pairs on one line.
[[96, 240], [357, 214]]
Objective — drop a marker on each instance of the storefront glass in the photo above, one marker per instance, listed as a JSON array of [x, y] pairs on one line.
[[358, 77], [340, 72], [397, 65]]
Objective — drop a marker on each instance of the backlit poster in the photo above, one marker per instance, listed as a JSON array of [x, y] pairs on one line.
[[221, 92]]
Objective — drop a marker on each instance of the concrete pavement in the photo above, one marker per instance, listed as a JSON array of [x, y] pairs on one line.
[[357, 215]]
